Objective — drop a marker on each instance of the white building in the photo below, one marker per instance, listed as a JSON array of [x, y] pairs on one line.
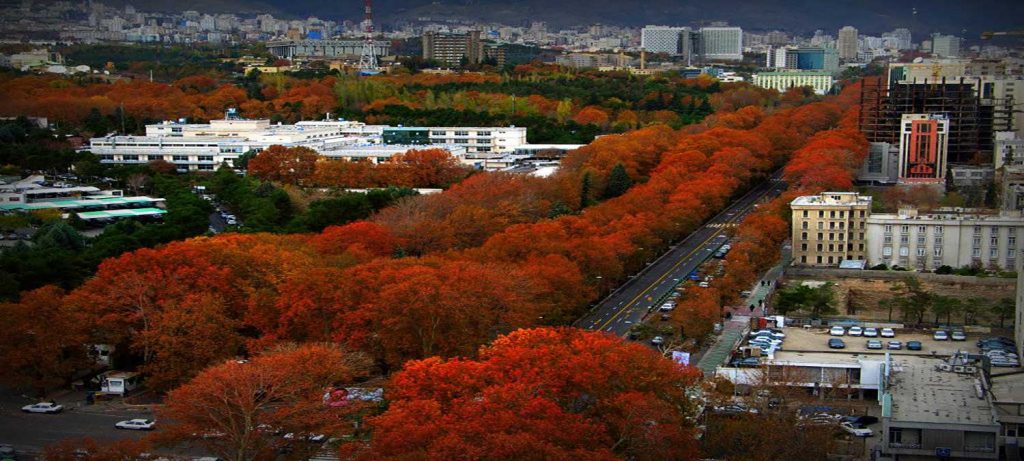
[[204, 147], [663, 39], [847, 44], [954, 238], [721, 43], [946, 46], [821, 82], [1009, 149]]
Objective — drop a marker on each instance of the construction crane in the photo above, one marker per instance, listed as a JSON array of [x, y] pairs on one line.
[[368, 57], [1008, 33]]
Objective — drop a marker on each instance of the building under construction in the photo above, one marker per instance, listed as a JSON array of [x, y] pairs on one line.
[[972, 117]]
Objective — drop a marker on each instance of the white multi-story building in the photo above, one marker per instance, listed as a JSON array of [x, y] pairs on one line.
[[820, 81], [946, 46], [663, 39], [204, 147], [721, 43], [954, 237], [847, 43]]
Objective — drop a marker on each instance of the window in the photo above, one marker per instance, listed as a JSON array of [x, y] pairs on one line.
[[920, 240], [860, 247], [180, 158], [803, 236], [993, 252], [977, 229], [461, 141], [977, 242], [831, 225], [832, 214], [803, 260], [820, 236], [438, 133], [821, 213], [831, 247], [461, 133], [488, 133], [888, 240], [904, 228], [904, 251], [820, 246], [862, 213], [904, 239], [921, 251], [938, 241], [205, 158], [938, 230], [921, 229], [131, 158], [994, 241], [888, 228], [976, 252], [831, 236], [1011, 241], [819, 259], [887, 251], [821, 225], [842, 214], [830, 260], [805, 213], [804, 225], [937, 252], [803, 247]]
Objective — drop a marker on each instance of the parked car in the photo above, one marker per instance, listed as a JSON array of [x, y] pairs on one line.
[[895, 345], [704, 285], [657, 340], [888, 333], [137, 424], [773, 333], [914, 345], [957, 335], [836, 343], [43, 407], [746, 362], [859, 421], [940, 335], [837, 331], [855, 331], [665, 317], [856, 431], [6, 451], [874, 344], [667, 307], [870, 332]]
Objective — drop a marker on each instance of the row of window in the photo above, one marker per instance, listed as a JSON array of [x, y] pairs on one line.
[[460, 133], [832, 213], [833, 225], [146, 158], [832, 236], [833, 247], [831, 259]]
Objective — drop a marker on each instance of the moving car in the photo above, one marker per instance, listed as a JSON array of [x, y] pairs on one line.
[[888, 333], [836, 343], [855, 331], [913, 345], [657, 340], [874, 344], [957, 335], [870, 332], [137, 424], [43, 407], [895, 345], [940, 335], [856, 431], [837, 331]]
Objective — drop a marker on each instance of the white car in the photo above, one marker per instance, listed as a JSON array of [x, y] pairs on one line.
[[940, 335], [856, 431], [870, 332], [837, 331], [667, 307], [136, 424], [704, 285], [856, 331], [888, 333], [657, 341], [43, 407]]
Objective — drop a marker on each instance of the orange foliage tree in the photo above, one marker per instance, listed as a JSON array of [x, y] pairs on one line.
[[290, 165]]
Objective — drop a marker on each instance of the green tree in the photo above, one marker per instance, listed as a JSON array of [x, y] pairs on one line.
[[586, 184], [944, 306], [817, 301], [1003, 309], [971, 308], [618, 182], [911, 298]]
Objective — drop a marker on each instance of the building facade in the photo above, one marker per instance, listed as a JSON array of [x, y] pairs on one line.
[[946, 46], [924, 143], [847, 43], [310, 49], [829, 228], [821, 82], [721, 43], [955, 238], [451, 49], [881, 165], [663, 39]]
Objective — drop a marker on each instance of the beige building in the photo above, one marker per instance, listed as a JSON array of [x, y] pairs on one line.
[[830, 228]]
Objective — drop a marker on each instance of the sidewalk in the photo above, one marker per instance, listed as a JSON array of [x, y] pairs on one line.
[[732, 333]]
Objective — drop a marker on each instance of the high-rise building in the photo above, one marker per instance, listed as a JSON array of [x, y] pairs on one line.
[[721, 43], [903, 40], [847, 43], [946, 46], [663, 39], [450, 49], [924, 140], [829, 228]]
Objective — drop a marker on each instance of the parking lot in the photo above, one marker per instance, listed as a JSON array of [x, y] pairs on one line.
[[816, 340]]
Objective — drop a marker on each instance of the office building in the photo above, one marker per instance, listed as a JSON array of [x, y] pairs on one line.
[[721, 43], [1018, 325], [946, 237], [822, 58], [829, 228], [924, 142], [847, 44], [945, 46], [663, 39], [476, 140], [821, 82], [1007, 391], [452, 49]]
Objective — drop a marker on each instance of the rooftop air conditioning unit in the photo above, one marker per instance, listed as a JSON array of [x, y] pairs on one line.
[[970, 369], [958, 368], [945, 367]]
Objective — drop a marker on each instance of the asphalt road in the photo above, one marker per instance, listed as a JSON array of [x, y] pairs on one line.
[[631, 302], [29, 433]]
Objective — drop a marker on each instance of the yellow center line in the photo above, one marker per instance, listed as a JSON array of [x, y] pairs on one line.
[[699, 247]]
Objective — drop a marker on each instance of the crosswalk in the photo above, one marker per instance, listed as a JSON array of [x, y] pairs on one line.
[[719, 225]]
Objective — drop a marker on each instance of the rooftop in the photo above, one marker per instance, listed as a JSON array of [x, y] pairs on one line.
[[105, 201], [121, 213], [922, 393], [833, 198], [1007, 387]]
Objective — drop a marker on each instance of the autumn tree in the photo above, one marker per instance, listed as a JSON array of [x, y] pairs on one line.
[[234, 409], [285, 164], [45, 343], [88, 449], [553, 393]]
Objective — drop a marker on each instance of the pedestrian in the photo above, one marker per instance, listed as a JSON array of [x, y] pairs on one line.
[[751, 308]]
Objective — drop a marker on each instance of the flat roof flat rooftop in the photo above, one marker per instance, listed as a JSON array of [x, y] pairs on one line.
[[922, 393], [1008, 387], [121, 213]]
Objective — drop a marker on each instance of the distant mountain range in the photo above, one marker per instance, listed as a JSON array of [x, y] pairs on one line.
[[961, 17]]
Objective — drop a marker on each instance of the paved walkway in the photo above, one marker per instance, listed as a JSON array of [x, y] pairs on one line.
[[716, 355]]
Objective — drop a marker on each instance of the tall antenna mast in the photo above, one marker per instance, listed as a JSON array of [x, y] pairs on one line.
[[368, 58]]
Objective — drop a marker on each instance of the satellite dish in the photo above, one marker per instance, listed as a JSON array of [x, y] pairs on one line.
[[918, 60]]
